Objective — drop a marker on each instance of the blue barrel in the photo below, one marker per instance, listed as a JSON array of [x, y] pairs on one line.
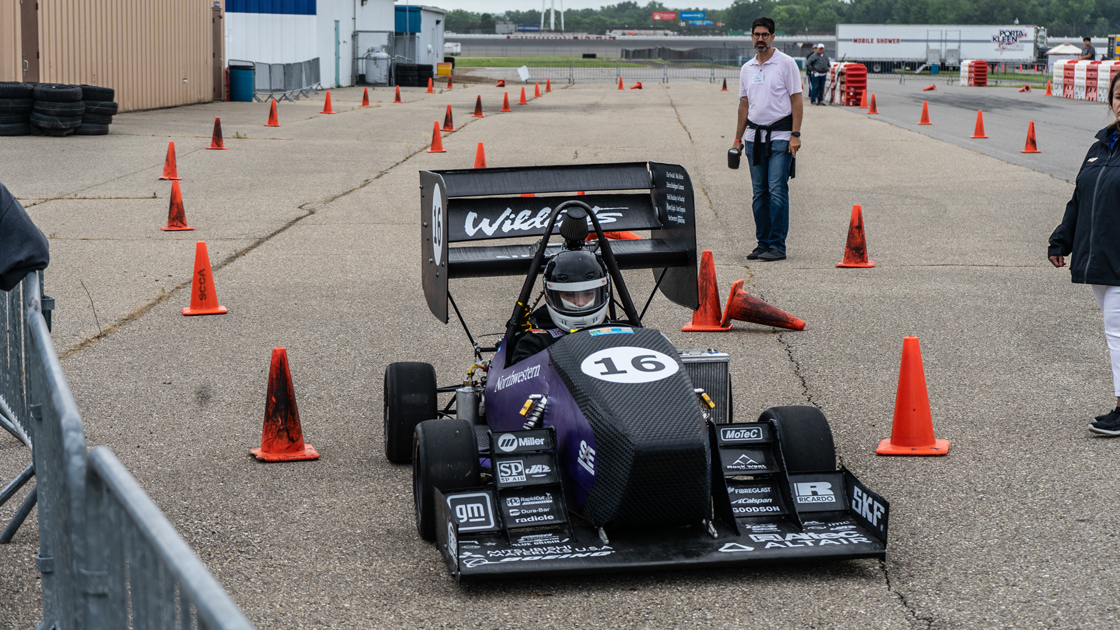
[[241, 83], [935, 69]]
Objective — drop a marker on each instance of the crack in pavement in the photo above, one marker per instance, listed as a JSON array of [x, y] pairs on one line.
[[678, 114], [911, 612]]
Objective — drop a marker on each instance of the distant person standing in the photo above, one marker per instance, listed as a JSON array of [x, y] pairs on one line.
[[769, 121], [817, 68], [1090, 231], [1088, 53]]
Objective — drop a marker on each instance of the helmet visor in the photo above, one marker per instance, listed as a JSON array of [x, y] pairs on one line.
[[577, 298]]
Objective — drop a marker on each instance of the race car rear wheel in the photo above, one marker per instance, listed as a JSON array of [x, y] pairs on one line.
[[410, 397], [444, 456], [805, 437]]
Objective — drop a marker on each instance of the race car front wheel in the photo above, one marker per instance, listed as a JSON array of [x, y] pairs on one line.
[[410, 397], [444, 456], [805, 437]]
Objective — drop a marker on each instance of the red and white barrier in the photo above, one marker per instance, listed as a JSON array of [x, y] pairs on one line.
[[1083, 80], [846, 83], [974, 73]]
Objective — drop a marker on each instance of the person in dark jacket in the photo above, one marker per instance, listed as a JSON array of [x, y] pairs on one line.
[[23, 247], [816, 67], [1090, 231]]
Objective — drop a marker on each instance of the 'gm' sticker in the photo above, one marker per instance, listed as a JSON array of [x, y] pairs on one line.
[[627, 364], [437, 226]]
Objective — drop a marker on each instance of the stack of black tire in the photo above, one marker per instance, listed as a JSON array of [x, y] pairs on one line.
[[16, 100], [58, 109], [99, 110], [413, 75]]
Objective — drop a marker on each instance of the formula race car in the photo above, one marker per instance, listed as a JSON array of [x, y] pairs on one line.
[[603, 447]]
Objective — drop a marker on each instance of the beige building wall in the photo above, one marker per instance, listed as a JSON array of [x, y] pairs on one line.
[[10, 44], [154, 53]]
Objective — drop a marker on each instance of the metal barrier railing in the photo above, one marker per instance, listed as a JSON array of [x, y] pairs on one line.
[[653, 71], [998, 73], [282, 81], [108, 557]]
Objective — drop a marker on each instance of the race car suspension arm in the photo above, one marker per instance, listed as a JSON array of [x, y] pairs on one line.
[[478, 350]]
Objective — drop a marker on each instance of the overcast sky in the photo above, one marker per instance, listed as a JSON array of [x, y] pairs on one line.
[[500, 6]]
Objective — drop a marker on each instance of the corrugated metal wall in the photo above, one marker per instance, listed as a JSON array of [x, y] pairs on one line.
[[154, 53], [10, 56]]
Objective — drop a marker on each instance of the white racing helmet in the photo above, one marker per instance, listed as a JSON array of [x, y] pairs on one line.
[[576, 289]]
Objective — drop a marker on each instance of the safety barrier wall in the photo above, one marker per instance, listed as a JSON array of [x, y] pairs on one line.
[[663, 72], [108, 557], [974, 73], [846, 83], [1083, 80], [283, 81]]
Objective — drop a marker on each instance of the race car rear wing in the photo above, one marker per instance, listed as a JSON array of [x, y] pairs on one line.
[[469, 205]]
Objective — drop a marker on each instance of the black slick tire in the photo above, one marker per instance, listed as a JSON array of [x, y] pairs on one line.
[[410, 398], [16, 105], [15, 129], [95, 93], [101, 108], [96, 119], [14, 119], [58, 93], [61, 110], [444, 457], [55, 123], [15, 89], [805, 437], [91, 129]]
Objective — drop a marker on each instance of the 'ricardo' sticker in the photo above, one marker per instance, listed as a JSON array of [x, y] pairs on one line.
[[627, 364]]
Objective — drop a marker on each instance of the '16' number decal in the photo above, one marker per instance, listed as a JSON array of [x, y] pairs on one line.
[[627, 364]]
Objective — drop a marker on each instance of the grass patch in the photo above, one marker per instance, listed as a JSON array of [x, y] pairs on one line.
[[541, 62]]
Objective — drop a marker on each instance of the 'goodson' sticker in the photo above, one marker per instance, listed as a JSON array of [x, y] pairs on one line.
[[627, 364]]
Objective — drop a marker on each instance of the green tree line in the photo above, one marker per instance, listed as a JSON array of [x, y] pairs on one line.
[[1062, 18]]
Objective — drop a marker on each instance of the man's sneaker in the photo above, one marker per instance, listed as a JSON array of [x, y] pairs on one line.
[[772, 254], [758, 251], [1108, 424]]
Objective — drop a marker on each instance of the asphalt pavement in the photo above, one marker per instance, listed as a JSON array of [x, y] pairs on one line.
[[313, 231]]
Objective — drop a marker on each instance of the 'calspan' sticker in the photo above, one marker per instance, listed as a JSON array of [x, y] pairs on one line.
[[627, 364]]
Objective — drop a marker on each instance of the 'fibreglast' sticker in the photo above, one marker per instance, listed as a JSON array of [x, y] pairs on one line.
[[627, 364]]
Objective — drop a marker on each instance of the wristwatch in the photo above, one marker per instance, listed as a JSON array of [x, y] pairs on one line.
[[795, 134]]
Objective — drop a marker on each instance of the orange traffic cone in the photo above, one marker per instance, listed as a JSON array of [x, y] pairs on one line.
[[979, 131], [620, 83], [636, 86], [724, 88], [747, 308], [216, 139], [449, 81], [273, 121], [931, 88], [176, 214], [365, 97], [430, 86], [537, 90], [708, 317], [447, 124], [547, 86], [523, 101], [478, 108], [505, 102], [863, 99], [169, 170], [282, 437], [501, 83], [204, 298], [1049, 92], [1031, 147], [397, 98], [925, 114], [1025, 88], [855, 251], [437, 139], [912, 432], [480, 156], [327, 105], [871, 107]]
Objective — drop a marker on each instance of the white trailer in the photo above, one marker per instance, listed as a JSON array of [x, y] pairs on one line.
[[884, 46]]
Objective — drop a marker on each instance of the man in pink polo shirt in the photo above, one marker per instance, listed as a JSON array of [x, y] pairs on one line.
[[770, 117]]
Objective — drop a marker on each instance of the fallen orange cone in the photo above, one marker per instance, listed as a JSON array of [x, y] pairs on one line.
[[478, 108], [448, 125], [365, 97], [931, 88], [204, 298], [925, 114], [216, 139], [912, 431], [1025, 88], [636, 86], [501, 83], [855, 250], [480, 156], [169, 169], [327, 105], [273, 121], [176, 214], [282, 436], [1032, 146], [437, 139], [707, 318], [747, 308]]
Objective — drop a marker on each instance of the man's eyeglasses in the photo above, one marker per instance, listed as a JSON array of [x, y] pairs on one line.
[[761, 35]]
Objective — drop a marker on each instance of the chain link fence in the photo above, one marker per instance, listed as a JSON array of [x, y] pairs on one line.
[[650, 72], [109, 559], [283, 81]]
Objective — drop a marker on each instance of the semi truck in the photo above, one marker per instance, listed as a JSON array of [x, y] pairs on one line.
[[887, 47]]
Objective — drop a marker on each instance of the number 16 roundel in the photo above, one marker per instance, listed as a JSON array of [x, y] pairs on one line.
[[627, 364]]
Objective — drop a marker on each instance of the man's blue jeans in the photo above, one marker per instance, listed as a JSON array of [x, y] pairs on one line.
[[816, 84], [770, 180]]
